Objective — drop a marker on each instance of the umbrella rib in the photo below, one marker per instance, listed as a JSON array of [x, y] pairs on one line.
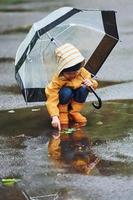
[[34, 50], [43, 57], [112, 37], [52, 39], [39, 37], [45, 48], [87, 28], [62, 32]]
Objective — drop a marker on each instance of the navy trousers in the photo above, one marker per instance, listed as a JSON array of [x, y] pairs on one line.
[[78, 95]]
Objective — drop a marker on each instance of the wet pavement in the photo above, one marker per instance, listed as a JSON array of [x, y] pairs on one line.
[[25, 130], [24, 154]]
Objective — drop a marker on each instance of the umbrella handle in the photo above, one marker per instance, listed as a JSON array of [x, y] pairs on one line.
[[99, 105]]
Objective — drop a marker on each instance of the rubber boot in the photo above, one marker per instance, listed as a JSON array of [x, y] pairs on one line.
[[63, 114], [74, 113]]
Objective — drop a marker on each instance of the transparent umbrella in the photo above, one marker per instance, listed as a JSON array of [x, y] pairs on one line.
[[93, 32]]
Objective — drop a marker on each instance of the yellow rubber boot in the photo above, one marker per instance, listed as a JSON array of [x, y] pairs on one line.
[[75, 112], [63, 113]]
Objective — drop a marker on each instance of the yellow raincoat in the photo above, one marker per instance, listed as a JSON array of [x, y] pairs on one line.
[[57, 82]]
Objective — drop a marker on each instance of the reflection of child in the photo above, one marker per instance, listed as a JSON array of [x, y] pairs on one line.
[[69, 86], [74, 150]]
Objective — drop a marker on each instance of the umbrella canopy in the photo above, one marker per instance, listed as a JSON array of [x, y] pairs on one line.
[[93, 32]]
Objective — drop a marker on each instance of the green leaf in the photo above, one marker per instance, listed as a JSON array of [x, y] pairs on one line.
[[68, 131], [9, 181]]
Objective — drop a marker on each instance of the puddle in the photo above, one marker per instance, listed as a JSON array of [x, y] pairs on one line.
[[24, 153]]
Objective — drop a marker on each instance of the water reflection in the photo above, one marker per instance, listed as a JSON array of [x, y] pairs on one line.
[[72, 150], [50, 166], [13, 193]]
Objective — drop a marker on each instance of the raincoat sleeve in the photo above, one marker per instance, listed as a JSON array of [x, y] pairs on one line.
[[87, 75], [52, 94]]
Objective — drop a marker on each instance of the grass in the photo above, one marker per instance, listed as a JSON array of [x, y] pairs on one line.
[[11, 1], [21, 29]]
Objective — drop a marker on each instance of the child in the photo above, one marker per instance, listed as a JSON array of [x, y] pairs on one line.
[[69, 87]]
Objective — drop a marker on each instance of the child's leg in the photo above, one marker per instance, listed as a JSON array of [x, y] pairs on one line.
[[81, 94], [65, 95], [77, 104]]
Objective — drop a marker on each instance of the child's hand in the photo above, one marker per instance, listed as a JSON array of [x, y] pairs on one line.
[[56, 122], [88, 82]]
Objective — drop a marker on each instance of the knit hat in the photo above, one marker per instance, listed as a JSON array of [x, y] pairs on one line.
[[68, 56]]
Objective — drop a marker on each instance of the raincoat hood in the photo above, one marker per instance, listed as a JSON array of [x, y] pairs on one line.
[[67, 56]]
